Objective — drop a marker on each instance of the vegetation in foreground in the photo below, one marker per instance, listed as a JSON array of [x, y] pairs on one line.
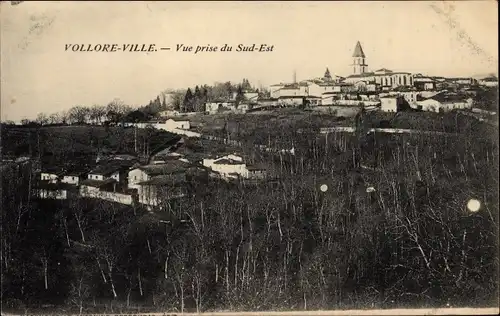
[[409, 241]]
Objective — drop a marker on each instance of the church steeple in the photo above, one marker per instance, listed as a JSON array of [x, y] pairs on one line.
[[359, 65], [327, 75]]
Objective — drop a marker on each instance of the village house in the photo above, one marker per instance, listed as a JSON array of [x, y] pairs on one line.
[[271, 102], [291, 101], [490, 81], [424, 83], [91, 187], [462, 81], [257, 171], [392, 103], [365, 86], [308, 88], [410, 95], [444, 102], [230, 106], [147, 172], [290, 90], [350, 100], [313, 101], [108, 189], [274, 88], [51, 174], [57, 191], [217, 106], [73, 177], [105, 172], [330, 98], [116, 170], [162, 188], [228, 167], [317, 88], [232, 166]]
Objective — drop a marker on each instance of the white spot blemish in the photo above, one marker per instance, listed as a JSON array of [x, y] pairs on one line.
[[473, 205]]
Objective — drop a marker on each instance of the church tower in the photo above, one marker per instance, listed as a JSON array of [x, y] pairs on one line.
[[359, 65], [327, 76]]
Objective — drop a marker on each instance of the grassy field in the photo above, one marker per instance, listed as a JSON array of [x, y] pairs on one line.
[[56, 144]]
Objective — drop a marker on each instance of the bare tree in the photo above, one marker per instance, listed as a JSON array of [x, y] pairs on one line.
[[42, 119]]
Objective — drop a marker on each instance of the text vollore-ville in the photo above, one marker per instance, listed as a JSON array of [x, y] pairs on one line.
[[111, 48]]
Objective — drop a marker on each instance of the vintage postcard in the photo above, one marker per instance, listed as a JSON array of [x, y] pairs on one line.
[[249, 158]]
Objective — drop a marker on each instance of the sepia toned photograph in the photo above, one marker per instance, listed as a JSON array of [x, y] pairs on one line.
[[249, 158]]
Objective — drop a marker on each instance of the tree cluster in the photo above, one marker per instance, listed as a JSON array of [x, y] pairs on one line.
[[195, 101], [487, 99], [284, 244], [113, 112]]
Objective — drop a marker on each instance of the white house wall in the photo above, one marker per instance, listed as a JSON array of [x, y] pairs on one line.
[[71, 180], [228, 169], [96, 177], [430, 105], [389, 104], [53, 194], [152, 195], [92, 192], [136, 176], [52, 178]]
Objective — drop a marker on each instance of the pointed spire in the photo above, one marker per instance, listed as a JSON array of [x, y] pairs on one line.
[[358, 51], [327, 74]]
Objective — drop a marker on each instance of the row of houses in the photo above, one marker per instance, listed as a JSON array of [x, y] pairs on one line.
[[126, 181], [387, 101], [368, 88], [361, 88], [314, 93], [442, 101]]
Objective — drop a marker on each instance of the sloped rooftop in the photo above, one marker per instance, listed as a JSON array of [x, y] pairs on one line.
[[107, 169], [164, 180], [358, 51], [170, 167], [227, 161]]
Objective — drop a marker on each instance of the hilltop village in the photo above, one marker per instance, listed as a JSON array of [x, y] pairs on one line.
[[373, 190], [384, 89], [133, 179]]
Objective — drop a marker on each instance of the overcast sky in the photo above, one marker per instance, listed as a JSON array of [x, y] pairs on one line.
[[437, 38]]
